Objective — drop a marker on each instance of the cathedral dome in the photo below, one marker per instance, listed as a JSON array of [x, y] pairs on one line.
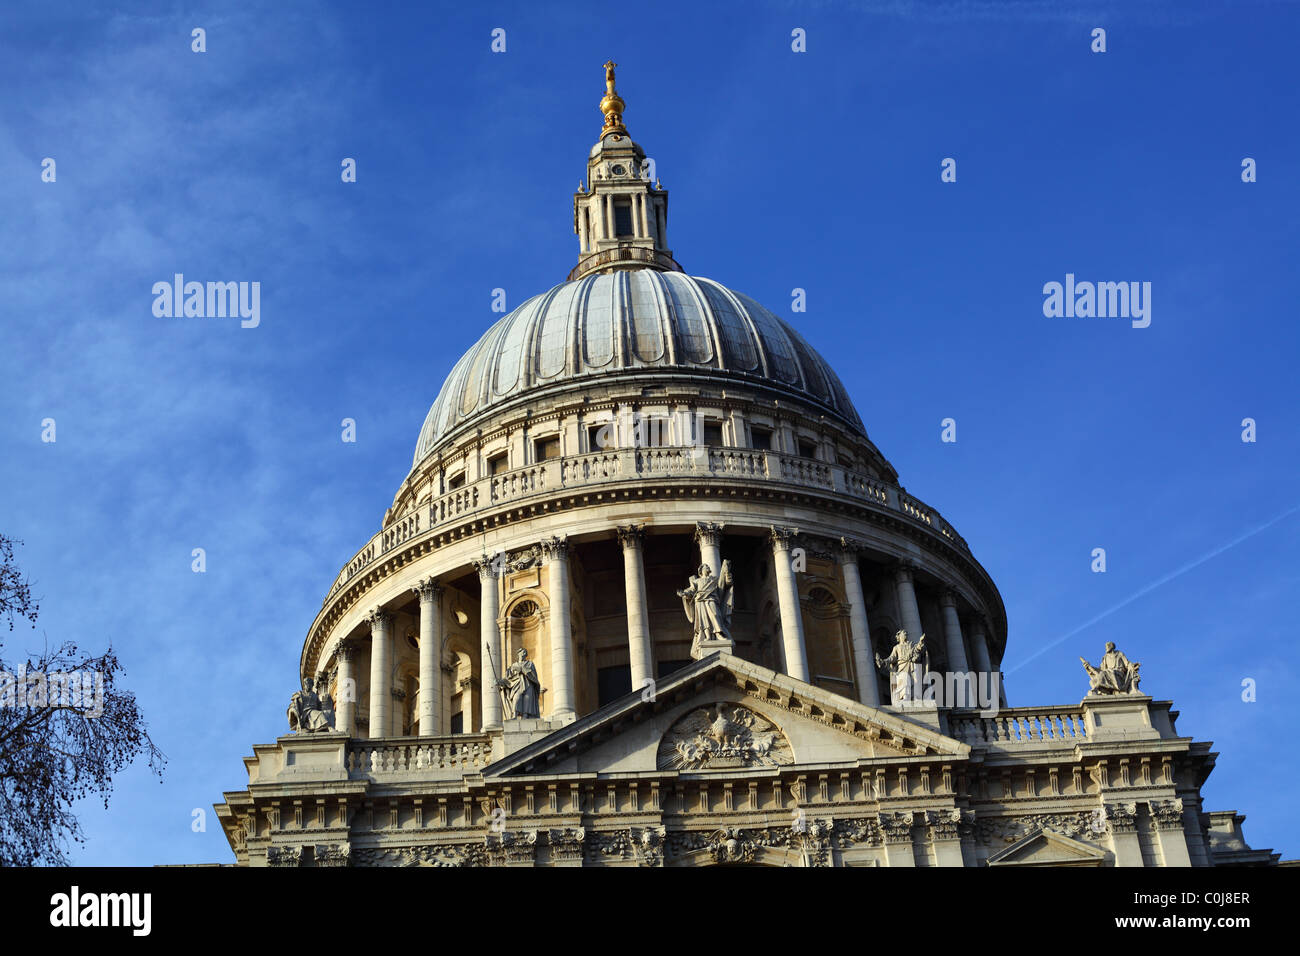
[[639, 322]]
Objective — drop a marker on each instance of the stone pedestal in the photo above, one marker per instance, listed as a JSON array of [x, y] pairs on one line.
[[298, 758], [711, 646], [1119, 716], [922, 712], [519, 732]]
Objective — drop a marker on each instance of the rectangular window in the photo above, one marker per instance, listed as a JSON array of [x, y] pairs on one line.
[[760, 437], [497, 463], [545, 448], [456, 481], [807, 449], [622, 218], [713, 434], [458, 722], [613, 683]]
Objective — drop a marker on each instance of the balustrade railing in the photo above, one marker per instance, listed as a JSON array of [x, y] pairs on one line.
[[1023, 726], [464, 752], [738, 461], [806, 471], [517, 483], [597, 466], [914, 509], [594, 468], [401, 529]]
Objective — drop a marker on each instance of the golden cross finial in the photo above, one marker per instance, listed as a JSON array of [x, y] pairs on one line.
[[612, 104]]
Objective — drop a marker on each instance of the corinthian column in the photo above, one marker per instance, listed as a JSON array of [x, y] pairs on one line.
[[640, 654], [979, 646], [555, 553], [864, 665], [381, 671], [709, 536], [430, 595], [346, 713], [956, 647], [787, 592], [907, 608], [489, 650]]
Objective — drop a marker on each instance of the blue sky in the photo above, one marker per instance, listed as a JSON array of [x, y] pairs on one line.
[[816, 170]]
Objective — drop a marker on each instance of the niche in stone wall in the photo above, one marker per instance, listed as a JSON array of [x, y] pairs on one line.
[[828, 639]]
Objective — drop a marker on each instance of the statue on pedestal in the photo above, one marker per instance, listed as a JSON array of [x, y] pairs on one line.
[[1115, 675], [308, 712], [708, 603], [907, 664], [522, 688]]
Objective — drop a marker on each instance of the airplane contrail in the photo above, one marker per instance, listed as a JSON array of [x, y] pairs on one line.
[[1157, 583]]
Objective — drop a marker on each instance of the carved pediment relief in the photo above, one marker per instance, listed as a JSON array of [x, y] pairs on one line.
[[723, 736]]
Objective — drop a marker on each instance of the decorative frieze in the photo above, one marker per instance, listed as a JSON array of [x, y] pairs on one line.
[[857, 830]]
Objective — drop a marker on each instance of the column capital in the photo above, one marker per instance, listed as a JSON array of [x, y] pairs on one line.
[[379, 619], [428, 590], [555, 549], [850, 548], [896, 827], [487, 566], [948, 598], [783, 538], [708, 532], [631, 536], [904, 570], [345, 651]]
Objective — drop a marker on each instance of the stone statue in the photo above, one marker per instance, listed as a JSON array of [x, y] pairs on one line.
[[523, 689], [907, 664], [708, 603], [308, 713], [1116, 674]]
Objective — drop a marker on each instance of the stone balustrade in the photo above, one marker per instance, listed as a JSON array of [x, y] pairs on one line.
[[401, 530], [594, 261], [597, 468], [460, 753], [1030, 726]]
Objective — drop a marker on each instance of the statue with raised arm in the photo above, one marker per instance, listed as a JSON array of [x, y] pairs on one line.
[[907, 664], [708, 603], [523, 689], [1115, 675], [308, 713]]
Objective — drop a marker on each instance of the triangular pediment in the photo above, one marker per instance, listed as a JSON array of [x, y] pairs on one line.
[[724, 713], [1049, 848]]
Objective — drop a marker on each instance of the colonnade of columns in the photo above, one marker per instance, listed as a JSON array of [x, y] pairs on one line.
[[596, 221], [555, 560]]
